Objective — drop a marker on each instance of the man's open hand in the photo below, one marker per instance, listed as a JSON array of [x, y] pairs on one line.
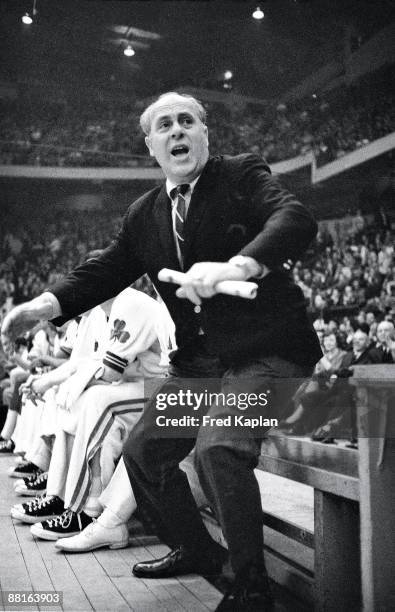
[[22, 318]]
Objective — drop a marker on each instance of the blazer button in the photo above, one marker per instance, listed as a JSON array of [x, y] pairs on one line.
[[197, 309]]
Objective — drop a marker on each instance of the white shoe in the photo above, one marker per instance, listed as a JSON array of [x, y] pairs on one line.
[[96, 536]]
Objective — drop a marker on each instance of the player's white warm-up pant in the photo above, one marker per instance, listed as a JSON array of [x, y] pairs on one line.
[[90, 438], [28, 425], [38, 422], [40, 452], [118, 496]]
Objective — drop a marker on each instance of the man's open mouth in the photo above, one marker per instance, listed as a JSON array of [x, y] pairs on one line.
[[180, 150]]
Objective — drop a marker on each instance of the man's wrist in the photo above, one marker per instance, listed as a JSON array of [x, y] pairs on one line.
[[50, 306], [250, 266]]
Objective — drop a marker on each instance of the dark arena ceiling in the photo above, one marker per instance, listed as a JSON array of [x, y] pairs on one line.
[[81, 42]]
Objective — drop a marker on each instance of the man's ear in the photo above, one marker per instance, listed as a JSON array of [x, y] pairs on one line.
[[148, 143], [206, 131]]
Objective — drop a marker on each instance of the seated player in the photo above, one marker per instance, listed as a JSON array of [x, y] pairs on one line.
[[43, 337], [100, 420], [39, 415]]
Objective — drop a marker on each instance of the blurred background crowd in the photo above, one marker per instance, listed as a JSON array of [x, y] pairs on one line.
[[70, 133]]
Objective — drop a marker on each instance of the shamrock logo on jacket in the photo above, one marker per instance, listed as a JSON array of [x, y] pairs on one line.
[[118, 332]]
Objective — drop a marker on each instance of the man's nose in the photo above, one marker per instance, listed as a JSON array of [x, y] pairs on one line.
[[177, 130]]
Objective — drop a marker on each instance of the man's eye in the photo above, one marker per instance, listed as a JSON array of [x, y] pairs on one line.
[[187, 121]]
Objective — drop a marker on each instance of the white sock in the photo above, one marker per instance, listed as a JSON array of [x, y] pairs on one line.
[[109, 519], [91, 512]]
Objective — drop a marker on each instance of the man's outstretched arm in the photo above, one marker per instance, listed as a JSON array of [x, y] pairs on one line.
[[88, 285]]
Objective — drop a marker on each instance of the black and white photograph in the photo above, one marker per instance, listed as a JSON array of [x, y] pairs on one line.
[[197, 305]]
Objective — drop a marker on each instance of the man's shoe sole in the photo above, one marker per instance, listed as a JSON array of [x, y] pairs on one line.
[[110, 545], [159, 575]]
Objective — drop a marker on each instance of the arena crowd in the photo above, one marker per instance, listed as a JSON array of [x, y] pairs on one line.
[[100, 134]]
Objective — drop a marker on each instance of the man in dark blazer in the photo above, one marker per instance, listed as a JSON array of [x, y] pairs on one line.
[[240, 224]]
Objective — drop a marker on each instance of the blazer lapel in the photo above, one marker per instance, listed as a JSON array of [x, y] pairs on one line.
[[162, 219], [198, 208]]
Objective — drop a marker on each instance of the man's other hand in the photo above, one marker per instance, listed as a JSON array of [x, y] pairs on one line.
[[24, 317], [202, 278]]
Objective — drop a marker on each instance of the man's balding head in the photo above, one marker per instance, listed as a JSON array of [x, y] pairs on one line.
[[169, 98]]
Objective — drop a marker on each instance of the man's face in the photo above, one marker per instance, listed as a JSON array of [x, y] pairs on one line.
[[178, 139], [360, 340], [384, 331]]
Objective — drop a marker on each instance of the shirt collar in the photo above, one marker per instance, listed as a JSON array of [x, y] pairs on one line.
[[170, 185]]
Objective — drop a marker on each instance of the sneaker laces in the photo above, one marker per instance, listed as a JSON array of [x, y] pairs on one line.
[[37, 502], [41, 502], [39, 479], [63, 520], [6, 444]]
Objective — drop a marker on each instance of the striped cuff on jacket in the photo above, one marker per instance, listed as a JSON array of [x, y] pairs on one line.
[[66, 350], [115, 362]]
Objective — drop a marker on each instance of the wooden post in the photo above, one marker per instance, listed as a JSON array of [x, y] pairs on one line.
[[336, 568], [376, 432]]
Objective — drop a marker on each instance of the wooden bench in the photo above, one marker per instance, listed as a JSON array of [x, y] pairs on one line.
[[346, 562]]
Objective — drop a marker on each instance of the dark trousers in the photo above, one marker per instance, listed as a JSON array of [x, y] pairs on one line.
[[225, 459]]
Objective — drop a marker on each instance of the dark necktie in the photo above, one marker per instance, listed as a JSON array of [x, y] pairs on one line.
[[180, 214]]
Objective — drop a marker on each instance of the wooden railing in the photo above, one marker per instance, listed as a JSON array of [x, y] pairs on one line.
[[353, 543]]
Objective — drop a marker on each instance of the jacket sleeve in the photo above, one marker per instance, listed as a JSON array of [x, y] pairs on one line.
[[286, 227], [102, 277]]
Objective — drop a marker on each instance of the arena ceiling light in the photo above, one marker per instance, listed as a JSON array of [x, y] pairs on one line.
[[27, 19], [258, 13], [227, 80], [129, 51]]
